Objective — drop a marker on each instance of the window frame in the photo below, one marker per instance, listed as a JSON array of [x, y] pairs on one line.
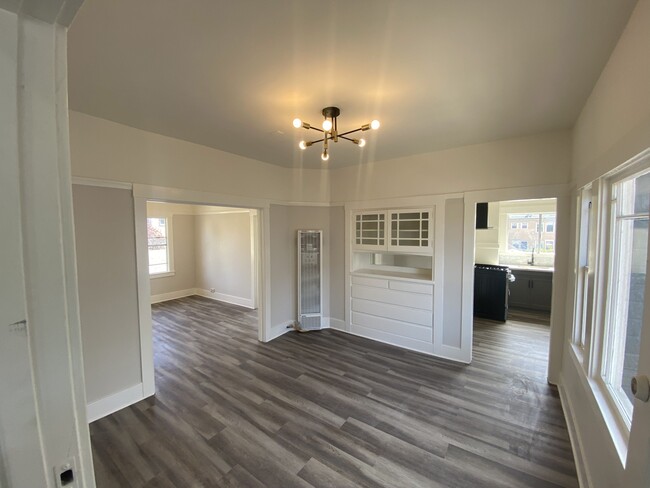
[[170, 248]]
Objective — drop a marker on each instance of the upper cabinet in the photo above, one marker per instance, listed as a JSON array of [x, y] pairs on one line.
[[409, 230], [403, 230], [370, 231]]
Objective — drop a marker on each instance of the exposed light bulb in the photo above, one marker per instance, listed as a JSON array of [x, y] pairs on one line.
[[297, 123], [327, 125], [325, 156], [362, 142], [302, 145], [374, 125]]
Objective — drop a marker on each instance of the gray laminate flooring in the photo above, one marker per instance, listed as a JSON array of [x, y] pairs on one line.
[[326, 409]]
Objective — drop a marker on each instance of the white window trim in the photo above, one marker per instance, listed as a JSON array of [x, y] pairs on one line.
[[590, 358], [170, 247]]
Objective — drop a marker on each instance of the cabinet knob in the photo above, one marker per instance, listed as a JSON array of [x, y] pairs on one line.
[[640, 386]]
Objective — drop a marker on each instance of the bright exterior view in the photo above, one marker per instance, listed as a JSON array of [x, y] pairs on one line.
[[158, 245], [530, 239]]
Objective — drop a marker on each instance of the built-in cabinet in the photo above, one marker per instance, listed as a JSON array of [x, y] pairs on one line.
[[391, 279], [531, 290], [409, 230]]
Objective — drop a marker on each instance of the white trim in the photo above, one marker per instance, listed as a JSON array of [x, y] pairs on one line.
[[562, 193], [223, 297], [166, 274], [336, 324], [112, 403], [280, 329], [580, 460], [173, 295], [78, 180], [144, 296]]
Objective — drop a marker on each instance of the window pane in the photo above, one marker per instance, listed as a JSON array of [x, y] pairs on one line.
[[642, 194], [629, 245], [157, 243]]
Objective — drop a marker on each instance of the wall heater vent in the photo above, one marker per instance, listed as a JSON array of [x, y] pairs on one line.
[[310, 281]]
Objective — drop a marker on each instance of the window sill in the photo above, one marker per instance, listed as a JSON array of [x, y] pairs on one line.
[[167, 274], [619, 433]]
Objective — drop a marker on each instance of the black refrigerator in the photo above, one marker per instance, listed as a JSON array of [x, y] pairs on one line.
[[491, 291]]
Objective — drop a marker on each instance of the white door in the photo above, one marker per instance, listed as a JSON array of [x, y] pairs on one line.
[[637, 469]]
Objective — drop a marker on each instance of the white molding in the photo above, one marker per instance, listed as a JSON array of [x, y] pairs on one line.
[[166, 274], [280, 329], [112, 403], [78, 180], [223, 297], [336, 324], [144, 296], [172, 295], [582, 468]]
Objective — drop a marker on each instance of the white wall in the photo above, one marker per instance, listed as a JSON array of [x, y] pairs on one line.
[[613, 126], [110, 151], [536, 160], [285, 222], [223, 256], [106, 269]]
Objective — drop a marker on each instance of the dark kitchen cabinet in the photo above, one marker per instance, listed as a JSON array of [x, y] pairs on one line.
[[531, 290]]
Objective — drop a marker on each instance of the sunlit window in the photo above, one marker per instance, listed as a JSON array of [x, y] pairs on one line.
[[157, 232]]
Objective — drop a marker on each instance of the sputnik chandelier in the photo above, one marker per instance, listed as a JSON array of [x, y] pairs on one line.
[[330, 131]]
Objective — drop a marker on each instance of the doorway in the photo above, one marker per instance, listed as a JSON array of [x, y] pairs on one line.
[[514, 264]]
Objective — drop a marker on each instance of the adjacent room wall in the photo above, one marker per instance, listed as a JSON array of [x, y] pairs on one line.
[[183, 247], [223, 257], [105, 241], [285, 222], [614, 126]]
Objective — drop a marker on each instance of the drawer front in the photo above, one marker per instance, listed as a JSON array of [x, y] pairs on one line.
[[393, 326], [394, 297], [411, 287], [376, 282], [395, 312]]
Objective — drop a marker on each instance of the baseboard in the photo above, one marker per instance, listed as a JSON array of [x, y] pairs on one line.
[[337, 324], [574, 437], [112, 403], [280, 329], [172, 295], [222, 297]]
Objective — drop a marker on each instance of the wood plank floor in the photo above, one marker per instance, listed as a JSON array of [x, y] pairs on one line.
[[326, 409]]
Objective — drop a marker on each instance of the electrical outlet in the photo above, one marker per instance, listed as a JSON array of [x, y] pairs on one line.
[[65, 475], [212, 290]]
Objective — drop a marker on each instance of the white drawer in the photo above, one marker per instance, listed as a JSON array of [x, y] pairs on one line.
[[395, 297], [411, 287], [393, 326], [395, 312], [376, 282]]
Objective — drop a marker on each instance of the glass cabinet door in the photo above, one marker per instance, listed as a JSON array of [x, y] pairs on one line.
[[409, 229], [370, 230]]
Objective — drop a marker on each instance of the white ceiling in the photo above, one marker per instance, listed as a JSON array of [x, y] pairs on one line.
[[232, 74]]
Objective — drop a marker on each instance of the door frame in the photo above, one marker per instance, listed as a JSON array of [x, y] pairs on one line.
[[562, 194], [143, 193]]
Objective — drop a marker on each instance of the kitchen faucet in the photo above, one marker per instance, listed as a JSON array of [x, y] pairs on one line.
[[532, 257]]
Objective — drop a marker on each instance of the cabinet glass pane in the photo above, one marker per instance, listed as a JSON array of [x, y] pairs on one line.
[[409, 242], [425, 243]]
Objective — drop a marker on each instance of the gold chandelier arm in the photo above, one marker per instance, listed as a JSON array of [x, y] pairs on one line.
[[350, 132]]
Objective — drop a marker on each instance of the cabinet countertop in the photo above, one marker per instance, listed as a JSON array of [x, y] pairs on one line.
[[534, 269], [392, 275]]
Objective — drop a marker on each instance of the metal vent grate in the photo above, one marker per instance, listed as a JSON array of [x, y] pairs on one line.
[[309, 279]]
